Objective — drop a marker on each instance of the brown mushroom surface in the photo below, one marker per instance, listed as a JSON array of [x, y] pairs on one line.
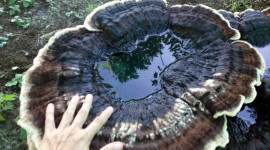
[[266, 12], [250, 129], [206, 79], [254, 25]]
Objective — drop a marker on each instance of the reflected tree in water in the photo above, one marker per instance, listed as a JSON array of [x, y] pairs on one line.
[[125, 65]]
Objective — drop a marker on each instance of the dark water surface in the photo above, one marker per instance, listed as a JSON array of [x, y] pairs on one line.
[[136, 74]]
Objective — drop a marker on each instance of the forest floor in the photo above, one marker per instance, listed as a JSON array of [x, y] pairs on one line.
[[32, 29]]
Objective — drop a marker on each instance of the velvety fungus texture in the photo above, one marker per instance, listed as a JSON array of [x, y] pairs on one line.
[[206, 79], [249, 130], [254, 25]]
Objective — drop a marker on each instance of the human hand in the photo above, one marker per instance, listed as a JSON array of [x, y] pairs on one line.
[[70, 135]]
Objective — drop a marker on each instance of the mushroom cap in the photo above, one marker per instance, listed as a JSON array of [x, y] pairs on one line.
[[255, 28], [249, 130], [266, 12], [253, 25], [233, 18], [187, 113]]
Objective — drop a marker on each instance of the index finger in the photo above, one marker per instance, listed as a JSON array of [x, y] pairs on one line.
[[49, 121]]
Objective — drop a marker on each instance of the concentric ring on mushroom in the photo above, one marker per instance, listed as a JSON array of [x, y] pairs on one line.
[[250, 130], [171, 74]]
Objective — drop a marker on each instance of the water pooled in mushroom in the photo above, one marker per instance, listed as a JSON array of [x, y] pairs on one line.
[[136, 74]]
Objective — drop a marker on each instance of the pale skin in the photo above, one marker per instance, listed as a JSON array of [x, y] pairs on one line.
[[70, 135]]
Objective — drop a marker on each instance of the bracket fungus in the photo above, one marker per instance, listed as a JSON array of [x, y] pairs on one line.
[[206, 78], [250, 129], [253, 25]]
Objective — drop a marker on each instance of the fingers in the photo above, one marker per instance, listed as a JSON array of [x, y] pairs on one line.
[[69, 113], [49, 121], [98, 122], [113, 146], [84, 111]]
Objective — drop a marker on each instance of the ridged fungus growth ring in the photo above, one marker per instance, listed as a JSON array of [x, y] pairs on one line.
[[187, 112], [249, 129]]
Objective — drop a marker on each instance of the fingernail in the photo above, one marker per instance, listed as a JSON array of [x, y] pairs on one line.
[[50, 106], [89, 96], [118, 146], [110, 108], [75, 98]]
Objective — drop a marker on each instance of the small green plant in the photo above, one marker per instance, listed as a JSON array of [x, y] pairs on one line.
[[23, 134], [11, 2], [14, 9], [90, 7], [6, 103], [1, 10], [1, 29], [50, 2], [22, 22], [72, 13], [27, 3], [234, 5], [246, 4], [3, 41], [9, 35], [56, 11], [3, 38], [2, 44], [53, 8], [17, 80]]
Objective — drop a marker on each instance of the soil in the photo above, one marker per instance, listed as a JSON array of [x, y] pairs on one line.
[[47, 18]]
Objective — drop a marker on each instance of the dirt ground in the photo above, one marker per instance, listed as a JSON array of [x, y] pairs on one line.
[[22, 48]]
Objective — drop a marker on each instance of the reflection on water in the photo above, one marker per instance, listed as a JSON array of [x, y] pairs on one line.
[[248, 115], [265, 51], [135, 74]]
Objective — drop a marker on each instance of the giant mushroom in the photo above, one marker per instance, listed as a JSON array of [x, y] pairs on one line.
[[207, 79], [254, 27], [250, 129]]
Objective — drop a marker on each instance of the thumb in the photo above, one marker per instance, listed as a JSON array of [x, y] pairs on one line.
[[113, 146]]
